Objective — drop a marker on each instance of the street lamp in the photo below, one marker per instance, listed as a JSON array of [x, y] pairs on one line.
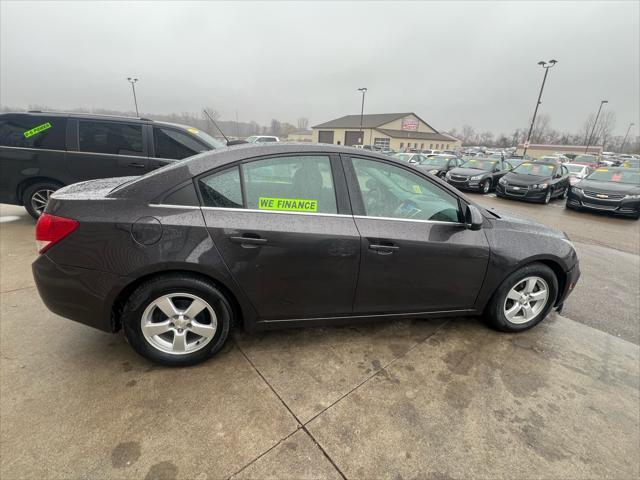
[[602, 102], [625, 137], [546, 66], [133, 81], [363, 90]]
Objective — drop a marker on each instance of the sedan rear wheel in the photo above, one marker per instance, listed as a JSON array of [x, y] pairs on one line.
[[523, 299], [36, 197], [177, 319]]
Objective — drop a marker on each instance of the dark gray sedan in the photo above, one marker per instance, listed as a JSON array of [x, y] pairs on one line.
[[287, 235]]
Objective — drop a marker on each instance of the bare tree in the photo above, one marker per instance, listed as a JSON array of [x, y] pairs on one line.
[[276, 127], [541, 129], [602, 131], [468, 135], [303, 123]]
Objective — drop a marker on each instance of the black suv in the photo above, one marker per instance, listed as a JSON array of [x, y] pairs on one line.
[[41, 152]]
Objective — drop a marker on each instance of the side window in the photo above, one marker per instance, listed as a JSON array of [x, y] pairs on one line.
[[173, 144], [293, 184], [33, 131], [565, 170], [393, 192], [221, 189], [110, 137]]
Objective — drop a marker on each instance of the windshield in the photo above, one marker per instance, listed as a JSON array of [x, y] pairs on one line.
[[575, 168], [251, 139], [586, 159], [539, 169], [486, 165], [435, 161], [616, 175]]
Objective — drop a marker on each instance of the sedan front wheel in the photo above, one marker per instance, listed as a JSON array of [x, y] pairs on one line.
[[524, 298]]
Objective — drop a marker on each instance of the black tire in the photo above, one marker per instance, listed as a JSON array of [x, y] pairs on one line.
[[485, 186], [495, 315], [32, 195], [547, 198], [151, 290], [565, 193]]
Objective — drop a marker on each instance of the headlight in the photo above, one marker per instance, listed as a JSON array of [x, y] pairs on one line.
[[502, 181], [541, 186], [632, 197], [433, 172], [476, 177], [576, 190]]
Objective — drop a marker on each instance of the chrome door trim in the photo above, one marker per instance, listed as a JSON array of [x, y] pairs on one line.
[[36, 149]]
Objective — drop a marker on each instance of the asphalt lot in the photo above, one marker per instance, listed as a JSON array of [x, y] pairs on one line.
[[409, 399]]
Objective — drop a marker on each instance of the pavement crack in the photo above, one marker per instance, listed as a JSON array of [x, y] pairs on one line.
[[395, 359], [300, 424]]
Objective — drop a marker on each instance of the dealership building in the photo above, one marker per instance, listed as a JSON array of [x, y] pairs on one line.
[[397, 131], [535, 150]]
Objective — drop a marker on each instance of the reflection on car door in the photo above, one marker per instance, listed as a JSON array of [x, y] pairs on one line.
[[103, 149], [286, 234], [416, 255]]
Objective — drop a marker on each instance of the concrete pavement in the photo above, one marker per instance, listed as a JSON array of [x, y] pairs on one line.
[[407, 399]]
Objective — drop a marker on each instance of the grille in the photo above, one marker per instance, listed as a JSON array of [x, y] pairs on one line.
[[595, 206], [610, 196], [459, 178]]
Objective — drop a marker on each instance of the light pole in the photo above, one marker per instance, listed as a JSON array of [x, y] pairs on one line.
[[363, 90], [546, 66], [133, 81], [602, 102], [624, 142]]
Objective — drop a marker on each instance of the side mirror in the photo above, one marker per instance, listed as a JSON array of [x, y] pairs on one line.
[[473, 218]]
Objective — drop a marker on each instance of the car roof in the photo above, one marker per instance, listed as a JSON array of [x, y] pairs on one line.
[[158, 181], [96, 116]]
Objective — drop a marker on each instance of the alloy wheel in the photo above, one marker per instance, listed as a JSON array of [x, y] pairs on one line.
[[547, 197], [486, 186], [40, 199], [179, 323], [526, 300]]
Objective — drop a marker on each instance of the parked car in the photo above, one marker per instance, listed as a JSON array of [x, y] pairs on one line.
[[548, 159], [262, 139], [611, 189], [409, 157], [535, 181], [577, 172], [478, 174], [592, 161], [41, 152], [631, 163], [439, 165], [287, 235]]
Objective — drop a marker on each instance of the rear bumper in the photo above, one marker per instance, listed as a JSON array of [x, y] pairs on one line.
[[75, 293]]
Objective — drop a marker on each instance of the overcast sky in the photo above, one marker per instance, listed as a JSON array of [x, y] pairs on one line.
[[452, 63]]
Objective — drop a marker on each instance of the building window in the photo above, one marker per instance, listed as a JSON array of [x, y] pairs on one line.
[[431, 146], [415, 145], [382, 143], [422, 146], [401, 144]]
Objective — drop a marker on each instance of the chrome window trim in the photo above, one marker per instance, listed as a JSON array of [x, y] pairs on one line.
[[408, 220], [36, 149], [254, 210], [168, 205]]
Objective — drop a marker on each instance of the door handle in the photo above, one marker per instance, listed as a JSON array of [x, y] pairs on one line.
[[383, 249], [248, 242], [137, 165]]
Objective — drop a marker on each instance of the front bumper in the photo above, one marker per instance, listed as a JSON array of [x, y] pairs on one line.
[[572, 278], [464, 184], [627, 207], [520, 192], [75, 293]]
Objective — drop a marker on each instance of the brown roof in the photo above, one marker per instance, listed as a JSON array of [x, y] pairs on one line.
[[372, 120], [415, 135]]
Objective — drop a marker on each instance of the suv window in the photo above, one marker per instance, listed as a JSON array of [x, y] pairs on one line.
[[296, 184], [222, 189], [33, 131], [171, 143], [110, 137], [393, 192]]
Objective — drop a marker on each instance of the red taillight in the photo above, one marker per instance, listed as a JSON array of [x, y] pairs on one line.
[[50, 229]]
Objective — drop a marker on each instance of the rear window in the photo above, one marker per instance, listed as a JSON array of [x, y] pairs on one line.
[[173, 144], [33, 131], [110, 137]]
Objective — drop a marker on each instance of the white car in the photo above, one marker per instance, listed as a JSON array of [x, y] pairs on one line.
[[262, 139], [410, 157], [577, 172]]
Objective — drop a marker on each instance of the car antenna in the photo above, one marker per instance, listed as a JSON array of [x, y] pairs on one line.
[[215, 124]]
